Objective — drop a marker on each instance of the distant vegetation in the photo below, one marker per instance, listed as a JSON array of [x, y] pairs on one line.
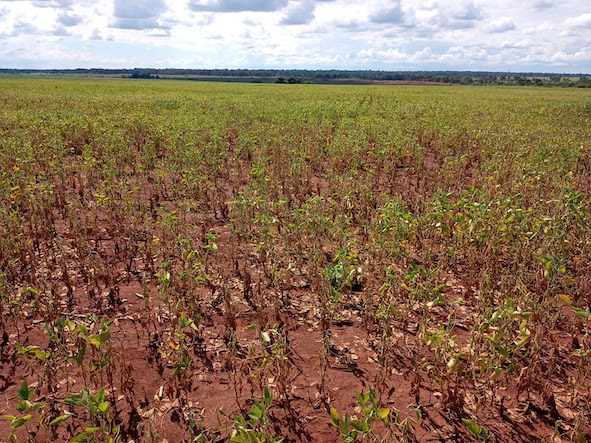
[[331, 76]]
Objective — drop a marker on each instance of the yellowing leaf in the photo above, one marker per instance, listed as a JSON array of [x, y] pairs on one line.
[[96, 341], [452, 363], [335, 420], [265, 336], [383, 413]]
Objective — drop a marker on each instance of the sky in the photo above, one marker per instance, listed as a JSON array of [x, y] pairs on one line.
[[393, 35]]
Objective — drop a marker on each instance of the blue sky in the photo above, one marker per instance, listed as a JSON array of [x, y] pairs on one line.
[[494, 35]]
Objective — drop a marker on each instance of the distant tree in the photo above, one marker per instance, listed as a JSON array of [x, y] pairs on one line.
[[142, 73], [280, 80]]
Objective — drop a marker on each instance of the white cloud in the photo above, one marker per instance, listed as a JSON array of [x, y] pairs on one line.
[[139, 14], [565, 58], [237, 5], [70, 19], [301, 13], [532, 35], [502, 25], [582, 21], [393, 14], [138, 9], [468, 12], [457, 16], [54, 3], [543, 4]]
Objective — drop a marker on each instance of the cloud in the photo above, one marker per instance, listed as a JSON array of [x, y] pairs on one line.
[[395, 34], [22, 28], [60, 31], [393, 15], [502, 25], [582, 55], [97, 35], [161, 31], [204, 20], [139, 9], [466, 55], [348, 24], [540, 5], [136, 24], [58, 4], [69, 20], [139, 14], [463, 17], [300, 14], [62, 4], [388, 55], [249, 21], [446, 23], [582, 21], [468, 12], [237, 5]]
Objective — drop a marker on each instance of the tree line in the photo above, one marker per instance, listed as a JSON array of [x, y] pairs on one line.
[[293, 76]]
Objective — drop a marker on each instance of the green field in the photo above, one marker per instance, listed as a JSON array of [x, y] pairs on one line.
[[194, 260]]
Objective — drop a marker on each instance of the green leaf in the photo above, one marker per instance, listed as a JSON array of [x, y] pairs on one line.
[[268, 397], [85, 437], [81, 399], [104, 407], [335, 419], [24, 393], [477, 430], [582, 312], [257, 412], [12, 438], [184, 321], [265, 336], [17, 423], [83, 330], [472, 426], [99, 397], [240, 420], [36, 406], [361, 426], [43, 356], [366, 397], [344, 427], [60, 419], [104, 337], [22, 406], [79, 357]]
